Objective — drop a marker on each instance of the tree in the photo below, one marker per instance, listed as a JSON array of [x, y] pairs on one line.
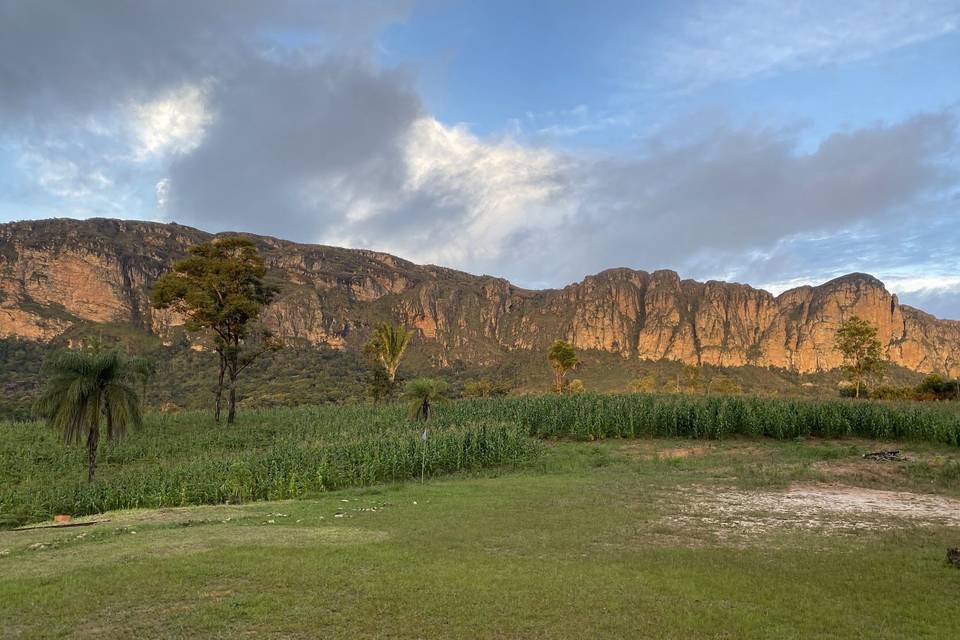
[[387, 345], [144, 369], [420, 393], [379, 386], [724, 385], [484, 388], [646, 384], [939, 388], [219, 287], [85, 387], [563, 358], [862, 352]]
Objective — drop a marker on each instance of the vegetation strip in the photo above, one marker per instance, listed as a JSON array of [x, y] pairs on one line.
[[594, 416], [290, 466], [181, 459]]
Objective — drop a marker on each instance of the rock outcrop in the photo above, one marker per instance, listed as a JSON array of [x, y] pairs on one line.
[[55, 274]]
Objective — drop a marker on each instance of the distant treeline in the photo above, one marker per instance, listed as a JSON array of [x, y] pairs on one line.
[[933, 387]]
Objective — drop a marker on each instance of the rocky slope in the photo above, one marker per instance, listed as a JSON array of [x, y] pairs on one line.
[[57, 274]]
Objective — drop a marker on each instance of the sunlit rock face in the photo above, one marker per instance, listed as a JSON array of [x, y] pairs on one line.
[[55, 274]]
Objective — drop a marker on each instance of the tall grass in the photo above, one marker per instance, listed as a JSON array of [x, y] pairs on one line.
[[592, 416], [275, 454], [182, 459]]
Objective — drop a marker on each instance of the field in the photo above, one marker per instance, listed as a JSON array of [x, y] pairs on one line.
[[183, 459], [660, 538], [663, 516]]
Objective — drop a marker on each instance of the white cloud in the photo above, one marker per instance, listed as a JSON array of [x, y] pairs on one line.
[[488, 190], [922, 284], [565, 123], [500, 186], [721, 41], [162, 191], [173, 123], [63, 177]]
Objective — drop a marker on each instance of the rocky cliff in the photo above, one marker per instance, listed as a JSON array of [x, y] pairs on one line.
[[57, 274]]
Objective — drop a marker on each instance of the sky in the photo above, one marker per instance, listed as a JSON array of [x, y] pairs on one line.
[[770, 142]]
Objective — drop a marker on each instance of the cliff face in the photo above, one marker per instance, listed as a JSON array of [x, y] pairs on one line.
[[55, 274]]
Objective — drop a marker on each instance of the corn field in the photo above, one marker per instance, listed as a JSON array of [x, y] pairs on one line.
[[183, 459], [276, 454], [592, 416]]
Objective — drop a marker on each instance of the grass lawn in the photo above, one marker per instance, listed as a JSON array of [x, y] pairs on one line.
[[646, 538]]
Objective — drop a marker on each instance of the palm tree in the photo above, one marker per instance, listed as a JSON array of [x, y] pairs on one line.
[[144, 369], [388, 344], [420, 393], [85, 387]]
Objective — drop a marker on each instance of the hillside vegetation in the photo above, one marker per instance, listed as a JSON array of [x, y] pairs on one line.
[[302, 374]]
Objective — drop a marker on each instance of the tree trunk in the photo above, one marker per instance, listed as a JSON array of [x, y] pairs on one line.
[[425, 409], [93, 441], [856, 393], [223, 366], [232, 411]]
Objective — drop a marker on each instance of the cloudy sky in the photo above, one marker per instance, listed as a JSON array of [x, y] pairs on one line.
[[768, 142]]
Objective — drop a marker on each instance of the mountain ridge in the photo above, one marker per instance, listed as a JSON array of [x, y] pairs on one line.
[[58, 273]]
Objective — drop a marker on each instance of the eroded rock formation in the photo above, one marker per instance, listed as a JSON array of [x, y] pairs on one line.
[[55, 274]]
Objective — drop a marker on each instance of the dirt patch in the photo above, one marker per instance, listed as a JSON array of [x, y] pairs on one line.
[[176, 515], [655, 449], [860, 471], [681, 452], [825, 508]]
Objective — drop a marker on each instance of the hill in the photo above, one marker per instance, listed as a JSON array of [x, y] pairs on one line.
[[61, 279]]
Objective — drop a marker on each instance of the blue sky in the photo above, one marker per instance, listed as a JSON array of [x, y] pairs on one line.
[[765, 142]]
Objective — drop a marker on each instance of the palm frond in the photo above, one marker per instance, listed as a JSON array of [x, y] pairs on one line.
[[121, 405], [85, 386]]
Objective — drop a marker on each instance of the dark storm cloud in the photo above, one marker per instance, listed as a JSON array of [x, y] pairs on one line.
[[292, 98], [284, 137], [68, 59]]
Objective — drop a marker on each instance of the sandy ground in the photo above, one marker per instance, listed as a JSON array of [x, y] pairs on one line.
[[828, 508]]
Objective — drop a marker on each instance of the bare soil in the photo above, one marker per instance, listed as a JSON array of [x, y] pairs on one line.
[[827, 508]]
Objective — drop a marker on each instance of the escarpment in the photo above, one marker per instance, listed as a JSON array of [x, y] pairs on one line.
[[56, 274]]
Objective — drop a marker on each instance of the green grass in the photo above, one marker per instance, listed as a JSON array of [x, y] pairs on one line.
[[593, 416], [577, 544], [182, 458]]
